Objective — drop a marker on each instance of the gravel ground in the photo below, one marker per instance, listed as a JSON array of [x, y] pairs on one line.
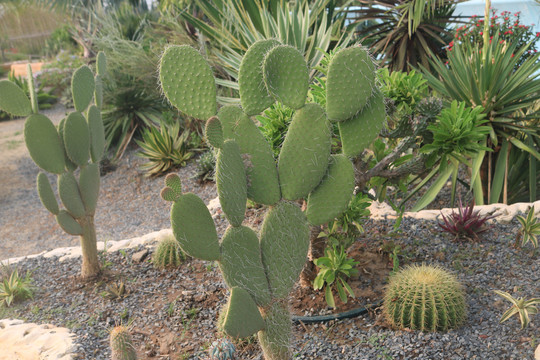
[[173, 313]]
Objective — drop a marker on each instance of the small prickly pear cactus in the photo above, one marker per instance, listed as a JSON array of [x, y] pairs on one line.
[[167, 253], [222, 350], [121, 345], [260, 269], [424, 298], [78, 143]]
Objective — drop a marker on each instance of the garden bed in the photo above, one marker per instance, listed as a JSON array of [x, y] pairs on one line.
[[173, 312]]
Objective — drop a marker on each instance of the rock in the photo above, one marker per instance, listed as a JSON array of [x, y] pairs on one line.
[[22, 341], [140, 256], [165, 343]]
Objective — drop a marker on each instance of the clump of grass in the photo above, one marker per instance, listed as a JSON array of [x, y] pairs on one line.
[[14, 287]]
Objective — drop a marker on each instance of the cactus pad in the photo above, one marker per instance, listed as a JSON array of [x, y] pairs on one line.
[[305, 152], [77, 138], [68, 190], [357, 133], [97, 134], [253, 93], [44, 144], [173, 181], [261, 171], [284, 244], [68, 223], [168, 194], [70, 166], [98, 91], [241, 263], [351, 80], [424, 298], [333, 194], [101, 63], [194, 228], [46, 194], [89, 187], [275, 339], [231, 182], [286, 76], [82, 88], [243, 318], [32, 88], [214, 132], [13, 100], [188, 82]]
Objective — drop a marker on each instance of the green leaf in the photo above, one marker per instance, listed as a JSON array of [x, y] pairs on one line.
[[435, 188], [329, 297]]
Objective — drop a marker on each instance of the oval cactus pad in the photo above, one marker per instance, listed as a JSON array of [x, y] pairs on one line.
[[305, 152], [194, 228], [333, 194], [82, 87], [77, 138], [350, 83], [13, 100], [243, 317], [43, 143], [253, 93], [286, 76], [188, 82], [284, 245]]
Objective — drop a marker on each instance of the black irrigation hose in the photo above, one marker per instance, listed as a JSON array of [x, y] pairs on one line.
[[344, 315]]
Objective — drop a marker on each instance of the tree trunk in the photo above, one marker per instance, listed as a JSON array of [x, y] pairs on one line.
[[90, 263]]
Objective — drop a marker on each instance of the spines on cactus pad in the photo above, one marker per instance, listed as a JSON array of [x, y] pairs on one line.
[[173, 181], [241, 263], [77, 138], [243, 317], [187, 81], [89, 187], [13, 100], [231, 182], [286, 76], [350, 83], [43, 143], [97, 133], [284, 242], [46, 194], [261, 170], [253, 93], [305, 152], [194, 228], [213, 132], [358, 132], [82, 88], [333, 194], [275, 338]]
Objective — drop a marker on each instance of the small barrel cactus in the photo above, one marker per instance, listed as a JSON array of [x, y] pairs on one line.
[[168, 253], [121, 345], [425, 298], [222, 349]]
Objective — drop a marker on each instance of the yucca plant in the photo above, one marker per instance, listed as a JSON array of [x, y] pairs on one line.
[[466, 223], [492, 80], [524, 308], [164, 148], [335, 268], [530, 229]]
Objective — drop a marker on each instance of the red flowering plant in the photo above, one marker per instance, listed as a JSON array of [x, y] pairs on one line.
[[509, 27]]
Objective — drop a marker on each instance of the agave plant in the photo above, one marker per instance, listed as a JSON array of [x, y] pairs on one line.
[[466, 223], [520, 306], [530, 229]]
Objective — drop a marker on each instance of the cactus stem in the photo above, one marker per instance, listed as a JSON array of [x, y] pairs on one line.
[[90, 263]]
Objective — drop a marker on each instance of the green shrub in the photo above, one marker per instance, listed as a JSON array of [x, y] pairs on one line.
[[424, 298], [13, 287]]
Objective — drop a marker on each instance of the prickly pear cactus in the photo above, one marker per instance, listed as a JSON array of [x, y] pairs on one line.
[[121, 345], [424, 298], [76, 144], [261, 268]]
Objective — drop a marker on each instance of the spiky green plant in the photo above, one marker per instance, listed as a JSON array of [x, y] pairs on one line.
[[121, 344], [168, 253], [14, 287], [222, 349], [520, 306], [424, 298], [76, 146], [261, 269], [530, 229]]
